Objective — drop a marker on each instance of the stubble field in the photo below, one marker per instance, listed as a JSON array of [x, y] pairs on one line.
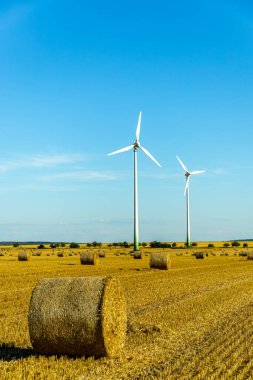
[[194, 321]]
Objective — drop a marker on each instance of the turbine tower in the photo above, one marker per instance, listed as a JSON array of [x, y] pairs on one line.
[[187, 191], [135, 146]]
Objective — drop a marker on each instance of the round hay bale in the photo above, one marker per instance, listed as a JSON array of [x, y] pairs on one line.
[[138, 255], [1, 254], [101, 254], [200, 255], [48, 254], [38, 254], [78, 316], [60, 254], [89, 258], [160, 260], [24, 256], [250, 256]]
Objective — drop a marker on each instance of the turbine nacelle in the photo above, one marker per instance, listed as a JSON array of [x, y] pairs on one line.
[[188, 174], [136, 144]]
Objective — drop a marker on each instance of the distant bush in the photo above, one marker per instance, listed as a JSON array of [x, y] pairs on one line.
[[235, 244], [194, 244], [54, 245], [96, 244], [174, 244], [62, 244], [226, 245], [74, 245], [144, 244], [41, 246], [15, 245], [210, 245], [158, 244], [245, 245]]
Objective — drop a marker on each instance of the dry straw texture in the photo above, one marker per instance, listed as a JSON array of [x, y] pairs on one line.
[[250, 256], [200, 255], [160, 260], [24, 256], [138, 255], [89, 258], [78, 316]]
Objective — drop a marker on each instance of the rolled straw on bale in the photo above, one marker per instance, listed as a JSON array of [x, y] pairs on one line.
[[159, 260], [250, 256], [89, 258], [138, 255], [24, 256], [200, 255], [78, 316]]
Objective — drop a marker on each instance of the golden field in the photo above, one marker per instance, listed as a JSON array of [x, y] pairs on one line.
[[194, 321]]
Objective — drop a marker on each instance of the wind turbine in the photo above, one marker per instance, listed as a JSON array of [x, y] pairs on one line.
[[135, 146], [187, 191]]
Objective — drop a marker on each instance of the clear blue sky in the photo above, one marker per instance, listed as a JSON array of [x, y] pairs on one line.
[[74, 76]]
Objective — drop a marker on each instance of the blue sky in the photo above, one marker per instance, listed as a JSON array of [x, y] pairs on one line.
[[74, 76]]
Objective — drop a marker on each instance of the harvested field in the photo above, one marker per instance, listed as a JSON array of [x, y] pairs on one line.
[[191, 322]]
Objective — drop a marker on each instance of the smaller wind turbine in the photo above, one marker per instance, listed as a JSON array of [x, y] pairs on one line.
[[187, 191], [135, 146]]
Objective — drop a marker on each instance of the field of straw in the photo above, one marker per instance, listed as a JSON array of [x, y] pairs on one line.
[[193, 321]]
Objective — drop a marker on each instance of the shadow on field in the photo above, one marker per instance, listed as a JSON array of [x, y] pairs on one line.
[[9, 352]]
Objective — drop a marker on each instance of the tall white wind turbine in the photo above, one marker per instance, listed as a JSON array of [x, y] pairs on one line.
[[135, 146], [186, 192]]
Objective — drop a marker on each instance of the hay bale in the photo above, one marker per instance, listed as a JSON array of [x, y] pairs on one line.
[[1, 254], [24, 256], [160, 260], [78, 316], [89, 258], [137, 255], [38, 254], [60, 254], [250, 256], [48, 254], [200, 255], [101, 254]]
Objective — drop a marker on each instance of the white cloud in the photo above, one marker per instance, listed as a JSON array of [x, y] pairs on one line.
[[40, 161], [80, 176]]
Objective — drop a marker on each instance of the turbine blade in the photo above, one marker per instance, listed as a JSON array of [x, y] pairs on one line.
[[183, 166], [198, 172], [121, 150], [138, 128], [187, 184], [149, 155]]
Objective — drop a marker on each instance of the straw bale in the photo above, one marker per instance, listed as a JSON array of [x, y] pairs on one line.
[[78, 316], [60, 254], [250, 256], [89, 258], [1, 254], [138, 255], [101, 254], [200, 255], [160, 260], [24, 256]]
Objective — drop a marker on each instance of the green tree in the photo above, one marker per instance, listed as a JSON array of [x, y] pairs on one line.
[[74, 245]]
